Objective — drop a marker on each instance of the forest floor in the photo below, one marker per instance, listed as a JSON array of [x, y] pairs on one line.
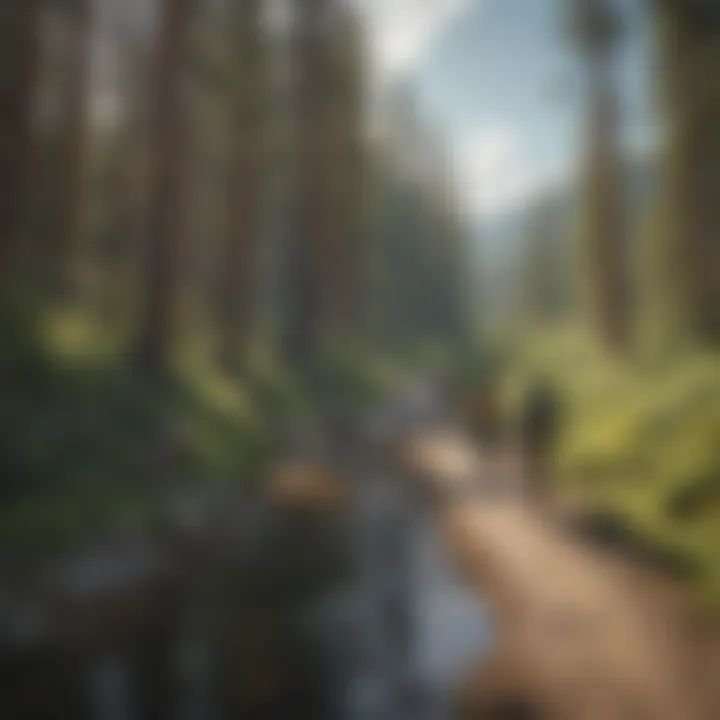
[[584, 632]]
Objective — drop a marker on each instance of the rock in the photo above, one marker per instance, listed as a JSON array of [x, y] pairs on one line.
[[308, 485]]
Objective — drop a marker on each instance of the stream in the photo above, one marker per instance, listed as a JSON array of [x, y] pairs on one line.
[[260, 614]]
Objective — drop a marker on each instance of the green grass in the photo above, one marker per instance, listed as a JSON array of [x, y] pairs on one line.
[[641, 440]]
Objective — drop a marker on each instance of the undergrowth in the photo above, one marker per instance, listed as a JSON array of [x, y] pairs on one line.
[[640, 439]]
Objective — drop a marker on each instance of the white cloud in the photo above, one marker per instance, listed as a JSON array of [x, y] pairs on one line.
[[496, 172], [402, 29]]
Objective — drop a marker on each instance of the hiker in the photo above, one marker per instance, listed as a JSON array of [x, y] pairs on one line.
[[485, 416], [539, 421]]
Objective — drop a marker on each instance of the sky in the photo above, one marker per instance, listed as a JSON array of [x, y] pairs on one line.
[[403, 31], [499, 80]]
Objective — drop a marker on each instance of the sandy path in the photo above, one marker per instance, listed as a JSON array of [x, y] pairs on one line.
[[578, 640]]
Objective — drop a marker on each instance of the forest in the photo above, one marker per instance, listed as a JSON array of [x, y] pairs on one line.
[[197, 231], [233, 267]]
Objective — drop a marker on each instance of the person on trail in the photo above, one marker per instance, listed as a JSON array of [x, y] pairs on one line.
[[539, 424], [485, 415]]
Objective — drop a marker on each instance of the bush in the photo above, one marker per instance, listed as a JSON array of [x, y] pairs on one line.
[[641, 440], [88, 443]]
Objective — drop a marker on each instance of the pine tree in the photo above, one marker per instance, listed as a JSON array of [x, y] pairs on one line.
[[74, 141], [19, 59], [689, 35], [167, 178], [544, 268], [240, 254], [347, 264], [308, 251], [595, 28]]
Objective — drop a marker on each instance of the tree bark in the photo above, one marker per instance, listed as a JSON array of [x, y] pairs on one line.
[[596, 27], [604, 222], [304, 289], [165, 214], [19, 46], [690, 45], [240, 255], [347, 265], [63, 254]]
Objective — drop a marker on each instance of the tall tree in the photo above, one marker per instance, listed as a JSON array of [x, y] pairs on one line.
[[346, 264], [128, 214], [75, 109], [595, 28], [544, 272], [238, 260], [689, 34], [308, 249], [165, 221], [19, 56]]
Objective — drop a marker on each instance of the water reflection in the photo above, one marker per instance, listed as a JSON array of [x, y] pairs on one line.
[[411, 624]]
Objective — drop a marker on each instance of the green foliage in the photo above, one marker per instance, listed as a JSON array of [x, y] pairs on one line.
[[88, 443], [642, 441], [346, 378]]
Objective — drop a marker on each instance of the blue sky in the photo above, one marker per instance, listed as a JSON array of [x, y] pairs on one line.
[[499, 81]]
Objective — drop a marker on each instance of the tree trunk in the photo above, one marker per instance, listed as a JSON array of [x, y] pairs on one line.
[[74, 133], [595, 27], [123, 255], [165, 222], [604, 222], [239, 259], [690, 42], [19, 46], [347, 265], [306, 289]]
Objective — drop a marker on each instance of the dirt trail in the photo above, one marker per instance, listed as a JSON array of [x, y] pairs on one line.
[[583, 636]]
